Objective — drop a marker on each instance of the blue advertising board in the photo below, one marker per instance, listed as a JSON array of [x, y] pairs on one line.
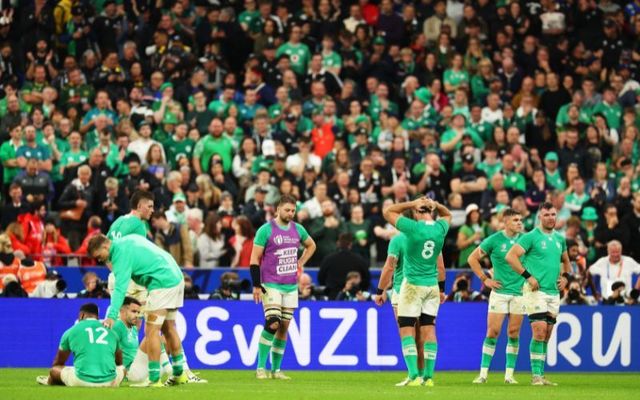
[[338, 336]]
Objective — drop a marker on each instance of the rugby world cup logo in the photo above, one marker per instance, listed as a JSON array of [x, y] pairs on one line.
[[278, 240]]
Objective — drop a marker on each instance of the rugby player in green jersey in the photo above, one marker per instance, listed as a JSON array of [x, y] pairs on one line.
[[135, 258], [506, 293], [135, 222], [97, 359], [543, 252], [393, 269], [421, 288]]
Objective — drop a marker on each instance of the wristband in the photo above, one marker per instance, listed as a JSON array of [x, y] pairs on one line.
[[525, 274], [379, 292], [484, 278], [255, 275], [441, 285], [567, 276]]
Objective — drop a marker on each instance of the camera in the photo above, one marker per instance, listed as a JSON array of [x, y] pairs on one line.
[[236, 285], [318, 291]]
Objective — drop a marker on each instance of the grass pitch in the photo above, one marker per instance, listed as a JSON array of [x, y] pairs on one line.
[[18, 384]]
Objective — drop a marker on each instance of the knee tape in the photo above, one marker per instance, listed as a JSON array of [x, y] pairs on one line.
[[287, 314], [272, 311], [426, 319], [270, 321], [537, 317], [407, 321], [171, 315], [155, 319]]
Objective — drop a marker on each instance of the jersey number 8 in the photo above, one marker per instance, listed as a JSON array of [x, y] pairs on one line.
[[427, 250], [100, 339]]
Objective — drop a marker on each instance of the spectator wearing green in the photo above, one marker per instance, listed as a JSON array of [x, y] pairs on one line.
[[179, 145], [452, 138], [456, 76], [484, 129], [221, 106], [214, 143], [8, 155], [470, 234], [199, 116], [480, 82], [331, 60], [610, 108], [298, 52], [249, 15], [552, 172], [513, 180], [116, 158], [577, 196], [491, 163], [10, 90], [102, 107], [31, 149], [77, 93]]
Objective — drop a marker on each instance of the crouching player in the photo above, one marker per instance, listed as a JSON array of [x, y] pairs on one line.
[[97, 359], [135, 258]]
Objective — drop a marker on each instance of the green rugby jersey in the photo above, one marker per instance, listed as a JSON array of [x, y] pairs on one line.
[[497, 246], [425, 239], [299, 55], [127, 225], [396, 250], [542, 257], [133, 257], [93, 348], [127, 341]]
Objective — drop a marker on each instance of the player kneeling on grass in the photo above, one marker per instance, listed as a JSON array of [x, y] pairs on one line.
[[135, 359], [423, 284], [393, 268], [275, 268], [135, 258], [506, 293], [97, 360], [542, 250]]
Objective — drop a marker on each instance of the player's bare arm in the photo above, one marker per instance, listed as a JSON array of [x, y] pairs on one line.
[[563, 280], [442, 275], [385, 279], [394, 211], [474, 262], [513, 258]]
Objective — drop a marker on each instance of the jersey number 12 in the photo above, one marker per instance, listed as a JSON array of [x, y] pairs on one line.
[[100, 339], [427, 250]]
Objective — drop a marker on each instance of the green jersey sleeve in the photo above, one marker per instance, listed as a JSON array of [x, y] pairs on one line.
[[443, 225], [304, 235], [487, 245], [262, 235], [405, 225], [122, 268], [395, 247], [525, 241], [64, 341]]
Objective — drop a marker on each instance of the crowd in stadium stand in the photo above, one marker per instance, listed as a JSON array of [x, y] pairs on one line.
[[219, 107]]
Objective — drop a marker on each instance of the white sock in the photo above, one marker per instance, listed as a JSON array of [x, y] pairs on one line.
[[508, 373], [484, 372], [139, 369]]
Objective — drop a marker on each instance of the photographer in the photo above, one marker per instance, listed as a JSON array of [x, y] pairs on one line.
[[230, 287], [307, 291], [462, 291], [52, 286], [617, 297], [574, 296], [351, 291], [191, 291], [94, 288]]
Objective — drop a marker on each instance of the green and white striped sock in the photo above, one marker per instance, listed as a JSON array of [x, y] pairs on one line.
[[410, 353]]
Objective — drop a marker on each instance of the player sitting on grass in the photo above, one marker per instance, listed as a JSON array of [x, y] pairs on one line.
[[393, 269], [135, 359], [134, 257], [506, 294], [423, 283], [97, 360], [542, 251]]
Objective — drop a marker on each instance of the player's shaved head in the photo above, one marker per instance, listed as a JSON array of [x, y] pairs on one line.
[[89, 310]]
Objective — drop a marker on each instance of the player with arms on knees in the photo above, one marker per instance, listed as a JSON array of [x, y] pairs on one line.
[[423, 284], [275, 268], [97, 360], [506, 293], [135, 258], [543, 251], [135, 360]]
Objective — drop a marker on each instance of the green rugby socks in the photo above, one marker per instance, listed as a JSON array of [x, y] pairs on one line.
[[277, 352], [512, 356], [488, 349], [264, 347], [177, 363], [536, 350], [154, 371], [410, 353], [430, 352]]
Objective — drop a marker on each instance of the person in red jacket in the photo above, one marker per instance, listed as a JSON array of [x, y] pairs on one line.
[[242, 242], [16, 235], [33, 228], [53, 244], [93, 228]]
